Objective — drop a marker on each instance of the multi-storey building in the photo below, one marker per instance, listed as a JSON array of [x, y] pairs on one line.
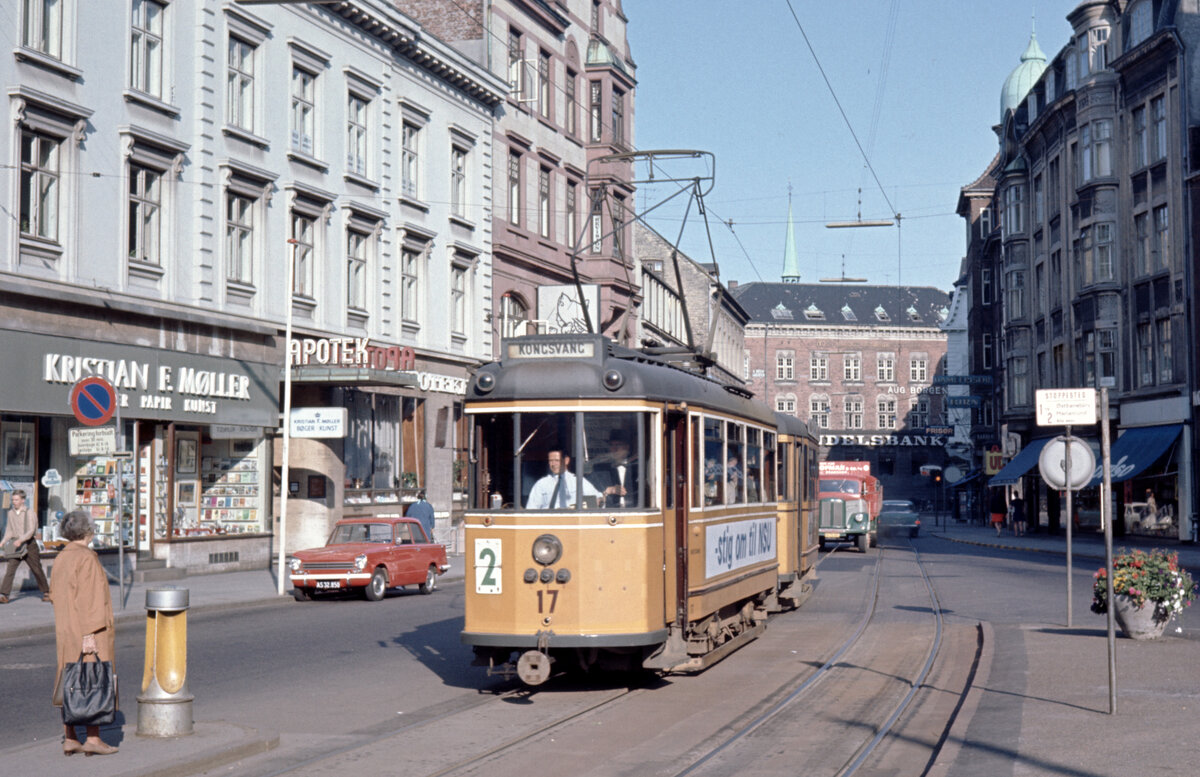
[[863, 365], [1092, 257], [172, 165], [562, 204]]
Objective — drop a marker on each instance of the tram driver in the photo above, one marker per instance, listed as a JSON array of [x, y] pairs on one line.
[[557, 489]]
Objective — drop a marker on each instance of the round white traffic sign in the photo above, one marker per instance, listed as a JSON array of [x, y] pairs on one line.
[[1052, 462]]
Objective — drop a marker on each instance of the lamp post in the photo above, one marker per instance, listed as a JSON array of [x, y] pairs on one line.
[[284, 474]]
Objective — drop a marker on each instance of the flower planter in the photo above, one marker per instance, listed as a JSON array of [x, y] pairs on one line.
[[1145, 623]]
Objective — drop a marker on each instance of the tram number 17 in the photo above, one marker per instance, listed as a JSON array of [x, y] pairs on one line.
[[550, 598]]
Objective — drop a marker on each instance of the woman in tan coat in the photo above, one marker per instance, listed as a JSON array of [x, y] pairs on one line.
[[83, 617]]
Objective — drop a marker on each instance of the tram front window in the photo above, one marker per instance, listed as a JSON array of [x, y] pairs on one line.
[[566, 460]]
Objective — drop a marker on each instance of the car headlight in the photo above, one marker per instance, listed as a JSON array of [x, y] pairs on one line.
[[360, 562], [547, 549], [295, 564]]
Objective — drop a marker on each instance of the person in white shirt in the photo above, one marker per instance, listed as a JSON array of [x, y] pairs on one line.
[[557, 490]]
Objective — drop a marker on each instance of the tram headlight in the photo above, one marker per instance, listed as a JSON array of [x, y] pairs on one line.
[[547, 549], [613, 380], [485, 382]]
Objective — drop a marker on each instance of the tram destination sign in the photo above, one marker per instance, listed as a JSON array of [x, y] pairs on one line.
[[1066, 407], [551, 349]]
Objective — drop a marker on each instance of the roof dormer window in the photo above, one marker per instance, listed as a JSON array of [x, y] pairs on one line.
[[913, 315], [881, 314], [814, 313], [848, 314], [781, 312]]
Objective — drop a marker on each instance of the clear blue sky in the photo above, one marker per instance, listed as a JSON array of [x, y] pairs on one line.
[[737, 79]]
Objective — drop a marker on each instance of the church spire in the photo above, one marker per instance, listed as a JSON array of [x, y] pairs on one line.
[[791, 265]]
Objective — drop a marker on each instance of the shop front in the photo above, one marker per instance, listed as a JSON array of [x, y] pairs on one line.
[[404, 434], [183, 474]]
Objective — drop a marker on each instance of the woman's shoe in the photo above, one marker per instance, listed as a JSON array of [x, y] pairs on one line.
[[3, 599], [72, 746], [45, 597], [97, 747]]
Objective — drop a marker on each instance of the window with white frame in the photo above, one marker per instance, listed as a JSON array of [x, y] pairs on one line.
[[1018, 381], [918, 414], [42, 26], [1166, 363], [144, 242], [514, 188], [1099, 155], [987, 412], [852, 366], [357, 118], [618, 117], [785, 367], [1140, 141], [40, 184], [818, 367], [1039, 201], [1097, 49], [304, 229], [918, 368], [786, 403], [239, 84], [818, 411], [1014, 209], [1142, 252], [1106, 344], [1104, 270], [357, 245], [885, 367], [304, 110], [458, 299], [1145, 354], [572, 206], [1015, 295], [886, 412], [410, 160], [544, 84], [146, 47], [987, 351], [1162, 237], [852, 409], [544, 213], [514, 316], [410, 284], [571, 104], [985, 223], [458, 181], [595, 121], [239, 237], [516, 65], [1158, 121], [618, 228], [987, 291], [597, 222]]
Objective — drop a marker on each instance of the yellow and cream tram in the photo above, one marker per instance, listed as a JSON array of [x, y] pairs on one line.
[[626, 512]]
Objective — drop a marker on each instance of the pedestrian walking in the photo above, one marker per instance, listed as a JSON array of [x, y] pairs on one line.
[[19, 538], [1018, 516], [423, 512], [997, 512], [83, 618]]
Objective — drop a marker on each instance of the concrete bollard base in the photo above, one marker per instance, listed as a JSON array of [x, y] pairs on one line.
[[165, 718]]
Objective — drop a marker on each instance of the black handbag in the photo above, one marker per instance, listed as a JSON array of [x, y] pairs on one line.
[[89, 693]]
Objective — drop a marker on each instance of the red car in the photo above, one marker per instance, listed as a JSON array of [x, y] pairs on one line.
[[373, 554]]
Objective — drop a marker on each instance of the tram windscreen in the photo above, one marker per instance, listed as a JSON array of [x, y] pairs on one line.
[[565, 460]]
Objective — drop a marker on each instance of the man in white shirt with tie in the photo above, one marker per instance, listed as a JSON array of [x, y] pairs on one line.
[[556, 491]]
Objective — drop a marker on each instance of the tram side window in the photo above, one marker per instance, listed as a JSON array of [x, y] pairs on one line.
[[496, 468], [735, 474], [753, 465], [713, 452], [785, 483], [768, 467]]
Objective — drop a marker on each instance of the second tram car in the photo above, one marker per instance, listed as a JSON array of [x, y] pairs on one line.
[[625, 512]]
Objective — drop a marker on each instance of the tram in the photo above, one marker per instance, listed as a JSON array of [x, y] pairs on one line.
[[626, 513]]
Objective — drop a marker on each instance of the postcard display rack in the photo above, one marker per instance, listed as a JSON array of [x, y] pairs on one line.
[[152, 493], [231, 499], [96, 492]]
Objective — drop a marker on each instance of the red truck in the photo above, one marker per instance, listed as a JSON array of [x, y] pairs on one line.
[[850, 499], [370, 553]]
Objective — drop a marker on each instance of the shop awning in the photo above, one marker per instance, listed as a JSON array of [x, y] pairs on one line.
[[1135, 450], [967, 478], [1020, 464]]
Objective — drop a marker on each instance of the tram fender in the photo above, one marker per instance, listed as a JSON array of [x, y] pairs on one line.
[[670, 653]]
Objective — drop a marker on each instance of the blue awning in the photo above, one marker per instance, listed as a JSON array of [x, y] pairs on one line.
[[1020, 464], [1135, 450], [965, 479]]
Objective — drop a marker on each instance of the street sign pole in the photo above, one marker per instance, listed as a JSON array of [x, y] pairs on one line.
[[1106, 517], [121, 503], [1070, 519]]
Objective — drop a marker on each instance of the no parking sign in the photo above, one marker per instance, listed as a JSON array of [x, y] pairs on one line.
[[93, 401]]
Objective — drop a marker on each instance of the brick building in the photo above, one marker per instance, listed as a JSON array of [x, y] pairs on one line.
[[861, 364]]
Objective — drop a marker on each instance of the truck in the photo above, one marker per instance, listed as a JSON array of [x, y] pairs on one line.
[[850, 499]]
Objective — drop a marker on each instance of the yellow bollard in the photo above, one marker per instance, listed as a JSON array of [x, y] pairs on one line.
[[165, 703]]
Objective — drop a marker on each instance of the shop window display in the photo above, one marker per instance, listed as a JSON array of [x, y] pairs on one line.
[[99, 483], [231, 495]]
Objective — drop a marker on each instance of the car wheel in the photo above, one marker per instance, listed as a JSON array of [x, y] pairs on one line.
[[430, 581], [821, 543], [864, 542], [301, 594], [378, 585]]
